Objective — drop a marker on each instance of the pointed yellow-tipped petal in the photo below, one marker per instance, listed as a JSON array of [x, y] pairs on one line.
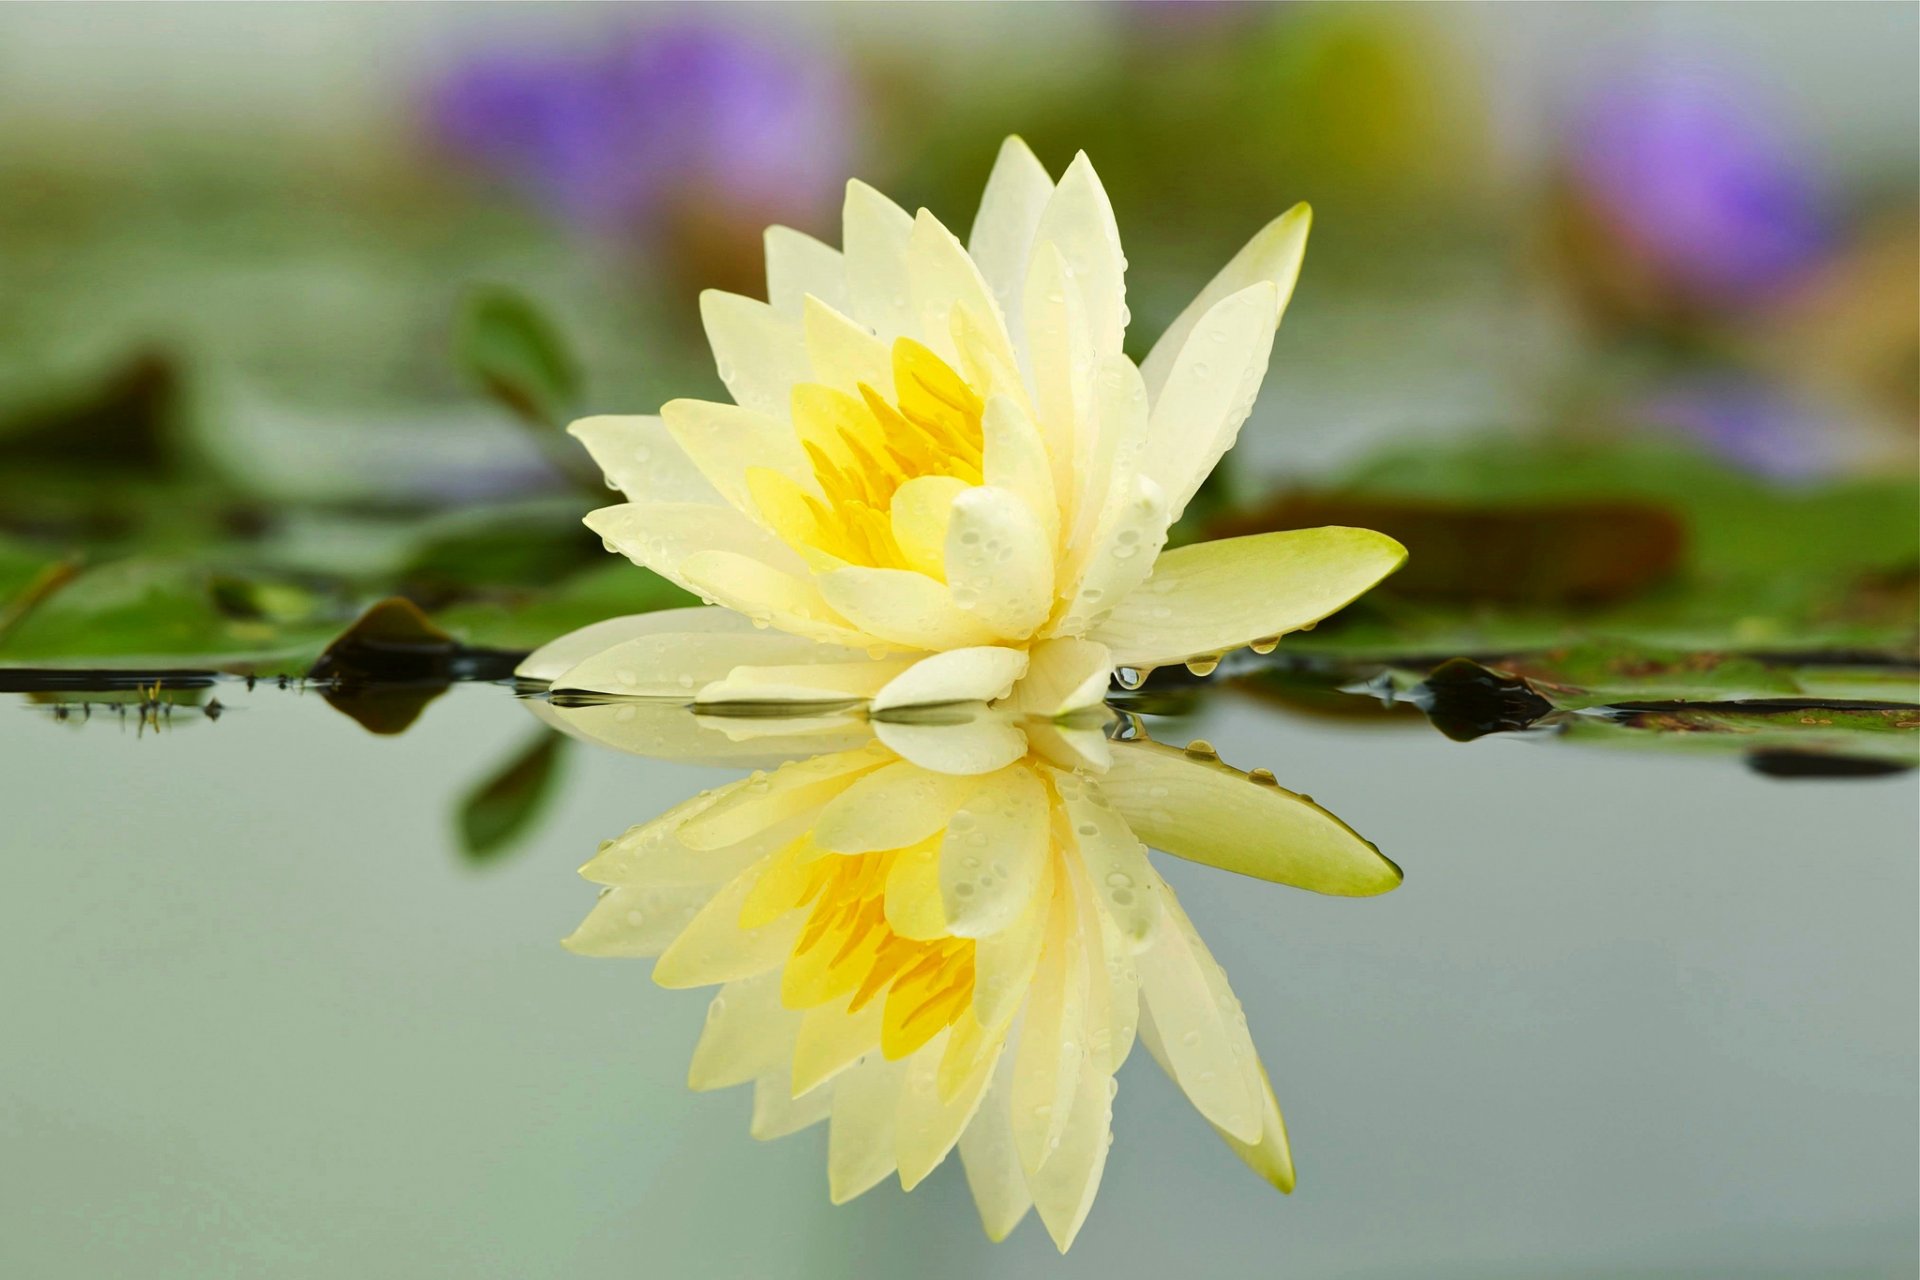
[[1047, 1061], [799, 265], [1197, 808], [919, 515], [759, 353], [1271, 1157], [1001, 241], [860, 1143], [681, 664], [640, 456], [1108, 455], [1199, 1025], [652, 856], [995, 848], [999, 562], [1208, 597], [874, 235], [994, 1175], [1003, 962], [640, 920], [749, 1034], [1079, 222], [892, 807], [833, 684], [1272, 255]]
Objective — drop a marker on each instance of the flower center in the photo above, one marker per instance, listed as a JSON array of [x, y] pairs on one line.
[[848, 950], [887, 472]]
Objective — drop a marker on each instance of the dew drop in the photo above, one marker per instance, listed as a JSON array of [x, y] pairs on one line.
[[1201, 749], [1203, 666], [1262, 777], [1265, 645]]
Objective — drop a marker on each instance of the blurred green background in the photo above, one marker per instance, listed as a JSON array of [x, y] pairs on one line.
[[294, 299]]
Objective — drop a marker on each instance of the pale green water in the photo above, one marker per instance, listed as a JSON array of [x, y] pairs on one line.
[[1629, 1015]]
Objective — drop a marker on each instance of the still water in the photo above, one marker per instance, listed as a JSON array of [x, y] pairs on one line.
[[1629, 1014]]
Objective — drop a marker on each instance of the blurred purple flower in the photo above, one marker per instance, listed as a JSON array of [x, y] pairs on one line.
[[1694, 169], [1757, 427], [610, 137]]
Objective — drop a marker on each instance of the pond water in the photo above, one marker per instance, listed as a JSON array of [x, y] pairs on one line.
[[1629, 1014]]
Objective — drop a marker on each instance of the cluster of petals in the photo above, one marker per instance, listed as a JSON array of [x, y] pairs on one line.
[[941, 478], [931, 961]]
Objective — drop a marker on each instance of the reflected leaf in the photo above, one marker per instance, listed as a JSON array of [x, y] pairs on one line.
[[499, 811]]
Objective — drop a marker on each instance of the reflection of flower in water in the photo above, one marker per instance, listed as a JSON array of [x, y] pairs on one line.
[[1692, 169], [613, 134], [931, 959], [938, 449]]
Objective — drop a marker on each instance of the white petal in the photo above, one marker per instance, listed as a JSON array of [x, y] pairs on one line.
[[920, 512], [638, 920], [748, 1034], [976, 740], [765, 594], [1272, 255], [661, 536], [714, 948], [1078, 221], [1063, 676], [1118, 873], [810, 681], [1014, 458], [758, 352], [928, 1126], [1210, 391], [1208, 597], [1199, 1025], [757, 803], [642, 459], [902, 607], [994, 853], [798, 265], [666, 730], [994, 1175], [1128, 543], [777, 1113], [1064, 1187], [556, 656], [1002, 237], [1047, 1061], [943, 278], [874, 234], [860, 1147], [1197, 808], [983, 673], [843, 353], [1110, 458], [1271, 1157], [833, 1038], [725, 441], [999, 562], [890, 808], [1060, 349], [1003, 962]]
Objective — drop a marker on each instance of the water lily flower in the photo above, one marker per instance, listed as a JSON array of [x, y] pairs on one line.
[[941, 477], [933, 961]]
